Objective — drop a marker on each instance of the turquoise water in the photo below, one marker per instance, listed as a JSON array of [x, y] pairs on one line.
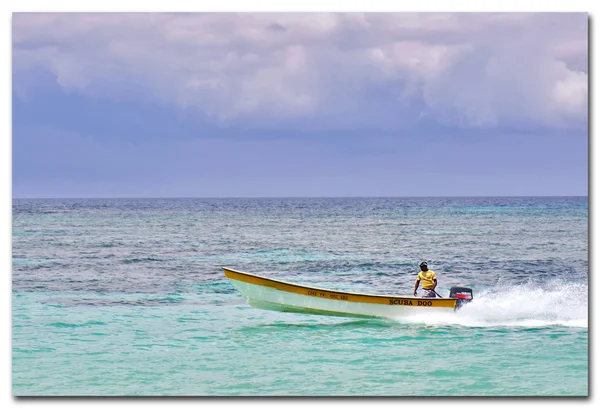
[[126, 297]]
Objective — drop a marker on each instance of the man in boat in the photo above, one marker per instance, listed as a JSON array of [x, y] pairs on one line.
[[429, 281]]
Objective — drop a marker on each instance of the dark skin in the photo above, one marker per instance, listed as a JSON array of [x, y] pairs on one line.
[[424, 268]]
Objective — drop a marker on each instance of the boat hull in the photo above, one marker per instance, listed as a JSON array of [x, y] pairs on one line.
[[271, 294]]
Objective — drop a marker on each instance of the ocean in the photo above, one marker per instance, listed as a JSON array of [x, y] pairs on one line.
[[127, 297]]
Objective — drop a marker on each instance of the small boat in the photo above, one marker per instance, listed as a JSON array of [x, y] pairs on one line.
[[271, 294]]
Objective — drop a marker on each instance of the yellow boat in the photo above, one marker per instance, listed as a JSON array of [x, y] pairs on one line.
[[271, 294]]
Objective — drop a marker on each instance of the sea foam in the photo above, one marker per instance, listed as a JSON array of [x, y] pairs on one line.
[[526, 305]]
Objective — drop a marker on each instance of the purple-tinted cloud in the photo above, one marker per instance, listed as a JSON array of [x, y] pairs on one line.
[[299, 104], [461, 70]]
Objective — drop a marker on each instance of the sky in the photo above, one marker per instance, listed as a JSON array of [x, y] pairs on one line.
[[299, 104]]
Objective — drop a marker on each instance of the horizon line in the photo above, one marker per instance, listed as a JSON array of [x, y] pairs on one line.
[[279, 197]]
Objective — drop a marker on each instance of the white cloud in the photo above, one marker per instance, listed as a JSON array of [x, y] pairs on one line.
[[472, 70], [571, 94]]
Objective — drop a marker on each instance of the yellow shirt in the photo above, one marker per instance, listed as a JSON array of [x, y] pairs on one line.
[[427, 278]]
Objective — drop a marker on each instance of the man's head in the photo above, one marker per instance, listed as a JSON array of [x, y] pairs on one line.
[[423, 266]]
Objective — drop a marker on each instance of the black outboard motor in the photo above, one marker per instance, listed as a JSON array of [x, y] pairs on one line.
[[464, 295]]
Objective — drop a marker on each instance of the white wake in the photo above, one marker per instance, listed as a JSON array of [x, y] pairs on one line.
[[529, 305]]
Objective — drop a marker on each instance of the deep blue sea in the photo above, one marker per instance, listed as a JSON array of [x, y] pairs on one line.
[[127, 297]]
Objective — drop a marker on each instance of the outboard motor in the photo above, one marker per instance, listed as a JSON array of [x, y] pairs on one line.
[[464, 295]]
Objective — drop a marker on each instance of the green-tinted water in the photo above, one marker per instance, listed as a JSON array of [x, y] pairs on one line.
[[127, 298]]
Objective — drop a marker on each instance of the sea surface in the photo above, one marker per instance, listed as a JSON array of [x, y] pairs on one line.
[[126, 297]]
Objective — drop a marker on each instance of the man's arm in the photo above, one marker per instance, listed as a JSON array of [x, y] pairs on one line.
[[416, 287], [434, 284]]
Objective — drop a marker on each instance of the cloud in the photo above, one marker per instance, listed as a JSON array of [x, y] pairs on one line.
[[467, 70]]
